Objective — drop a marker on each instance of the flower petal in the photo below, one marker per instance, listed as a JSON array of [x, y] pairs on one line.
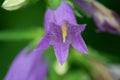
[[26, 65], [39, 68], [81, 27], [75, 28], [110, 28], [17, 71], [44, 43], [55, 33], [49, 17], [61, 51], [64, 12], [79, 44]]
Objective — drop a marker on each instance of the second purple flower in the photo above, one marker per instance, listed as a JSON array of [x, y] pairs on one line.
[[105, 19]]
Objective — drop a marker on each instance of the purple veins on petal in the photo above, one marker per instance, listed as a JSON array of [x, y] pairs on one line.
[[61, 51], [77, 40], [79, 44]]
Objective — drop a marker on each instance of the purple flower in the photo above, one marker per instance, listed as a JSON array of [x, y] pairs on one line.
[[61, 31], [27, 66], [105, 19]]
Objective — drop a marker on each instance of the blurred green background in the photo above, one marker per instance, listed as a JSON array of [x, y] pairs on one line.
[[30, 19]]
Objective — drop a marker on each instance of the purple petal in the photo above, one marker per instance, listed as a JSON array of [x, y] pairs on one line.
[[75, 27], [63, 13], [39, 70], [54, 27], [74, 30], [79, 44], [49, 17], [81, 27], [14, 73], [27, 65], [55, 33], [61, 51], [110, 28], [44, 43]]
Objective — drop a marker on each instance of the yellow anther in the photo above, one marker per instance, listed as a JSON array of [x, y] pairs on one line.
[[64, 31]]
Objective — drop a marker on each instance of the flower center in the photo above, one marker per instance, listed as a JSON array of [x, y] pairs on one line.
[[64, 32]]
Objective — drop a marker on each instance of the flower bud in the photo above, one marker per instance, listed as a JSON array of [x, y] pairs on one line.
[[13, 4], [53, 3]]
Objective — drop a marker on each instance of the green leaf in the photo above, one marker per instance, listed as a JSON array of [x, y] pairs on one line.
[[12, 35]]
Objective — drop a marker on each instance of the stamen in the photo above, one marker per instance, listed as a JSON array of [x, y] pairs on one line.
[[64, 31]]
